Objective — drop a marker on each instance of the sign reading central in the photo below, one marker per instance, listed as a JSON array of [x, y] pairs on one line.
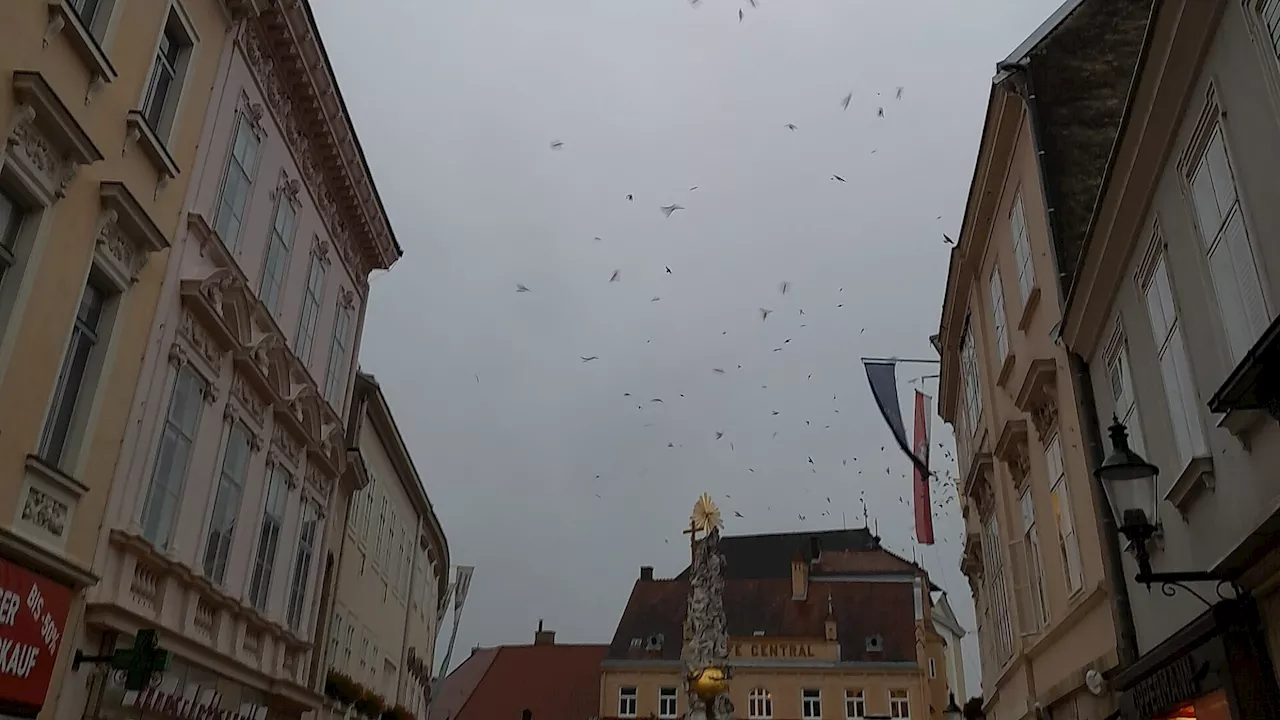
[[780, 649]]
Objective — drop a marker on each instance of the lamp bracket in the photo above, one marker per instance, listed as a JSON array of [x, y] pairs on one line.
[[1171, 582]]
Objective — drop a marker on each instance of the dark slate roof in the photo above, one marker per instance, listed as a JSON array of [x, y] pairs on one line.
[[1081, 72], [860, 609], [769, 556], [555, 682]]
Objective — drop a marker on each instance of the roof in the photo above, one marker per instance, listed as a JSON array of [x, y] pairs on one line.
[[1081, 72], [769, 556], [844, 562], [860, 609], [555, 682], [943, 615]]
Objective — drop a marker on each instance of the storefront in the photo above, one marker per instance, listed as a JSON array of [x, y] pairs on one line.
[[33, 614], [1215, 668], [183, 692]]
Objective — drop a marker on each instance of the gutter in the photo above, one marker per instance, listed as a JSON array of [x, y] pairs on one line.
[[1082, 385]]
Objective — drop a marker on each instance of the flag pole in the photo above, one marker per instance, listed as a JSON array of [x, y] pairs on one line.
[[900, 361]]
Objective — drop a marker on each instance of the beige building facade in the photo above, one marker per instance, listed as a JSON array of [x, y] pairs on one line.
[[1032, 553], [392, 567], [1175, 309], [103, 104]]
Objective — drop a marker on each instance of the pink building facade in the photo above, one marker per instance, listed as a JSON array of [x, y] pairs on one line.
[[215, 529]]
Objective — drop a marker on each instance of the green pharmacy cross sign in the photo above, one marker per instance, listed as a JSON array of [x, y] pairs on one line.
[[138, 663]]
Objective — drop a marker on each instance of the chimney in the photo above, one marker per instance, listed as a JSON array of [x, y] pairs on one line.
[[815, 549], [646, 573], [830, 625], [544, 637], [799, 578]]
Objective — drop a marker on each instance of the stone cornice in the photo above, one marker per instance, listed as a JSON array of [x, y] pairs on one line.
[[284, 52]]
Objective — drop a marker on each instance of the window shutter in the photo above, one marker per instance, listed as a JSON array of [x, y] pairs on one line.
[[1205, 201], [998, 315], [1271, 16], [1022, 588], [1190, 403], [1253, 308], [1171, 375], [1224, 186]]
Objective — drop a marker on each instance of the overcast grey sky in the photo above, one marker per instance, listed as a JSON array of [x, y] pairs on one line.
[[457, 103]]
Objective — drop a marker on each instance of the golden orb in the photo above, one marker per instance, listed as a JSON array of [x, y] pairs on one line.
[[709, 682]]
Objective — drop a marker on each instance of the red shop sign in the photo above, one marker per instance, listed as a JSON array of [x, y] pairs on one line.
[[33, 612]]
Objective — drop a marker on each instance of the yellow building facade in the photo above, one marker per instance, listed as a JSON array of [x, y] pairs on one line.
[[103, 104]]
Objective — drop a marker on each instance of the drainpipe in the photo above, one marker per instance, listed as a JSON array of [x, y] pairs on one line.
[[1090, 431]]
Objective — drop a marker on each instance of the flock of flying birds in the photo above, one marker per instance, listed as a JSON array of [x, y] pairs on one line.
[[943, 486]]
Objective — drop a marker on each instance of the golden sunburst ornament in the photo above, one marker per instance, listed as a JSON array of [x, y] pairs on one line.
[[706, 516]]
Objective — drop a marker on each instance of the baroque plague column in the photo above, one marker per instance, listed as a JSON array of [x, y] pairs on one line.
[[706, 646]]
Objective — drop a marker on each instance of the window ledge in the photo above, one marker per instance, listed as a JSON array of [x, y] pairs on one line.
[[1194, 479], [63, 19], [1029, 308], [141, 134], [56, 476], [1242, 423], [1006, 369]]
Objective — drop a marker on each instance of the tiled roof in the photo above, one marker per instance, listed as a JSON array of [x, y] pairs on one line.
[[554, 682], [861, 561], [860, 609], [769, 556]]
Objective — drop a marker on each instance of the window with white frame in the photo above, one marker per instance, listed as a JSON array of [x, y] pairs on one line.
[[168, 72], [1124, 400], [626, 702], [969, 371], [306, 338], [1022, 258], [1175, 363], [335, 376], [336, 630], [1068, 542], [242, 162], [811, 704], [226, 503], [76, 378], [379, 542], [899, 704], [348, 641], [276, 265], [12, 215], [999, 321], [666, 703], [366, 515], [1225, 240], [173, 456], [89, 12], [364, 650], [1035, 568], [997, 600], [264, 561], [302, 563], [855, 704], [760, 704]]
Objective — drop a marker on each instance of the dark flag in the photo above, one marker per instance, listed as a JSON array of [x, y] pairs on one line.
[[883, 377], [923, 505]]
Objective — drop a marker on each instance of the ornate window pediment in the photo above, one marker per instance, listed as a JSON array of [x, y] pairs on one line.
[[126, 237], [979, 475], [1011, 448], [1038, 395], [44, 139]]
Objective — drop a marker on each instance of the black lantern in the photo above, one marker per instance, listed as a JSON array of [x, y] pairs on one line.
[[952, 711], [1130, 483]]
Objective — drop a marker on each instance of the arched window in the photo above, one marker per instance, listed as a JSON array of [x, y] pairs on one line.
[[760, 704]]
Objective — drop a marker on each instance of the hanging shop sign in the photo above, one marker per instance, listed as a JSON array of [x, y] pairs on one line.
[[33, 612], [190, 702]]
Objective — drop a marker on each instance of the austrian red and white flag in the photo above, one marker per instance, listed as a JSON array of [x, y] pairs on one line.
[[920, 449]]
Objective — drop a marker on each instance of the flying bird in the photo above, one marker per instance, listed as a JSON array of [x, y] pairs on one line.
[[740, 16], [616, 276], [718, 371], [837, 177], [775, 412], [657, 400], [695, 187], [764, 313], [898, 94], [521, 288], [655, 299], [719, 435], [596, 238], [880, 112], [753, 3], [947, 239], [668, 209], [737, 514], [845, 102], [589, 359], [810, 457], [556, 145], [784, 286], [668, 267], [670, 445], [790, 127]]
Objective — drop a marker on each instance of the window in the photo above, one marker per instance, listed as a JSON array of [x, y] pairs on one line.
[[347, 642], [1035, 569], [276, 264], [364, 650], [997, 600], [1226, 243], [998, 316], [1270, 11], [1175, 365], [86, 10], [1125, 401], [933, 669], [302, 563], [269, 538], [367, 513], [172, 457], [972, 390], [1022, 249], [310, 309], [627, 702], [811, 704], [899, 704], [667, 702], [237, 183], [335, 641], [759, 704], [226, 504], [71, 378], [335, 377], [11, 216], [1068, 543], [167, 71], [855, 704]]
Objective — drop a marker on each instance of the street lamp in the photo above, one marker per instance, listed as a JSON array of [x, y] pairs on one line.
[[1130, 484], [952, 711]]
